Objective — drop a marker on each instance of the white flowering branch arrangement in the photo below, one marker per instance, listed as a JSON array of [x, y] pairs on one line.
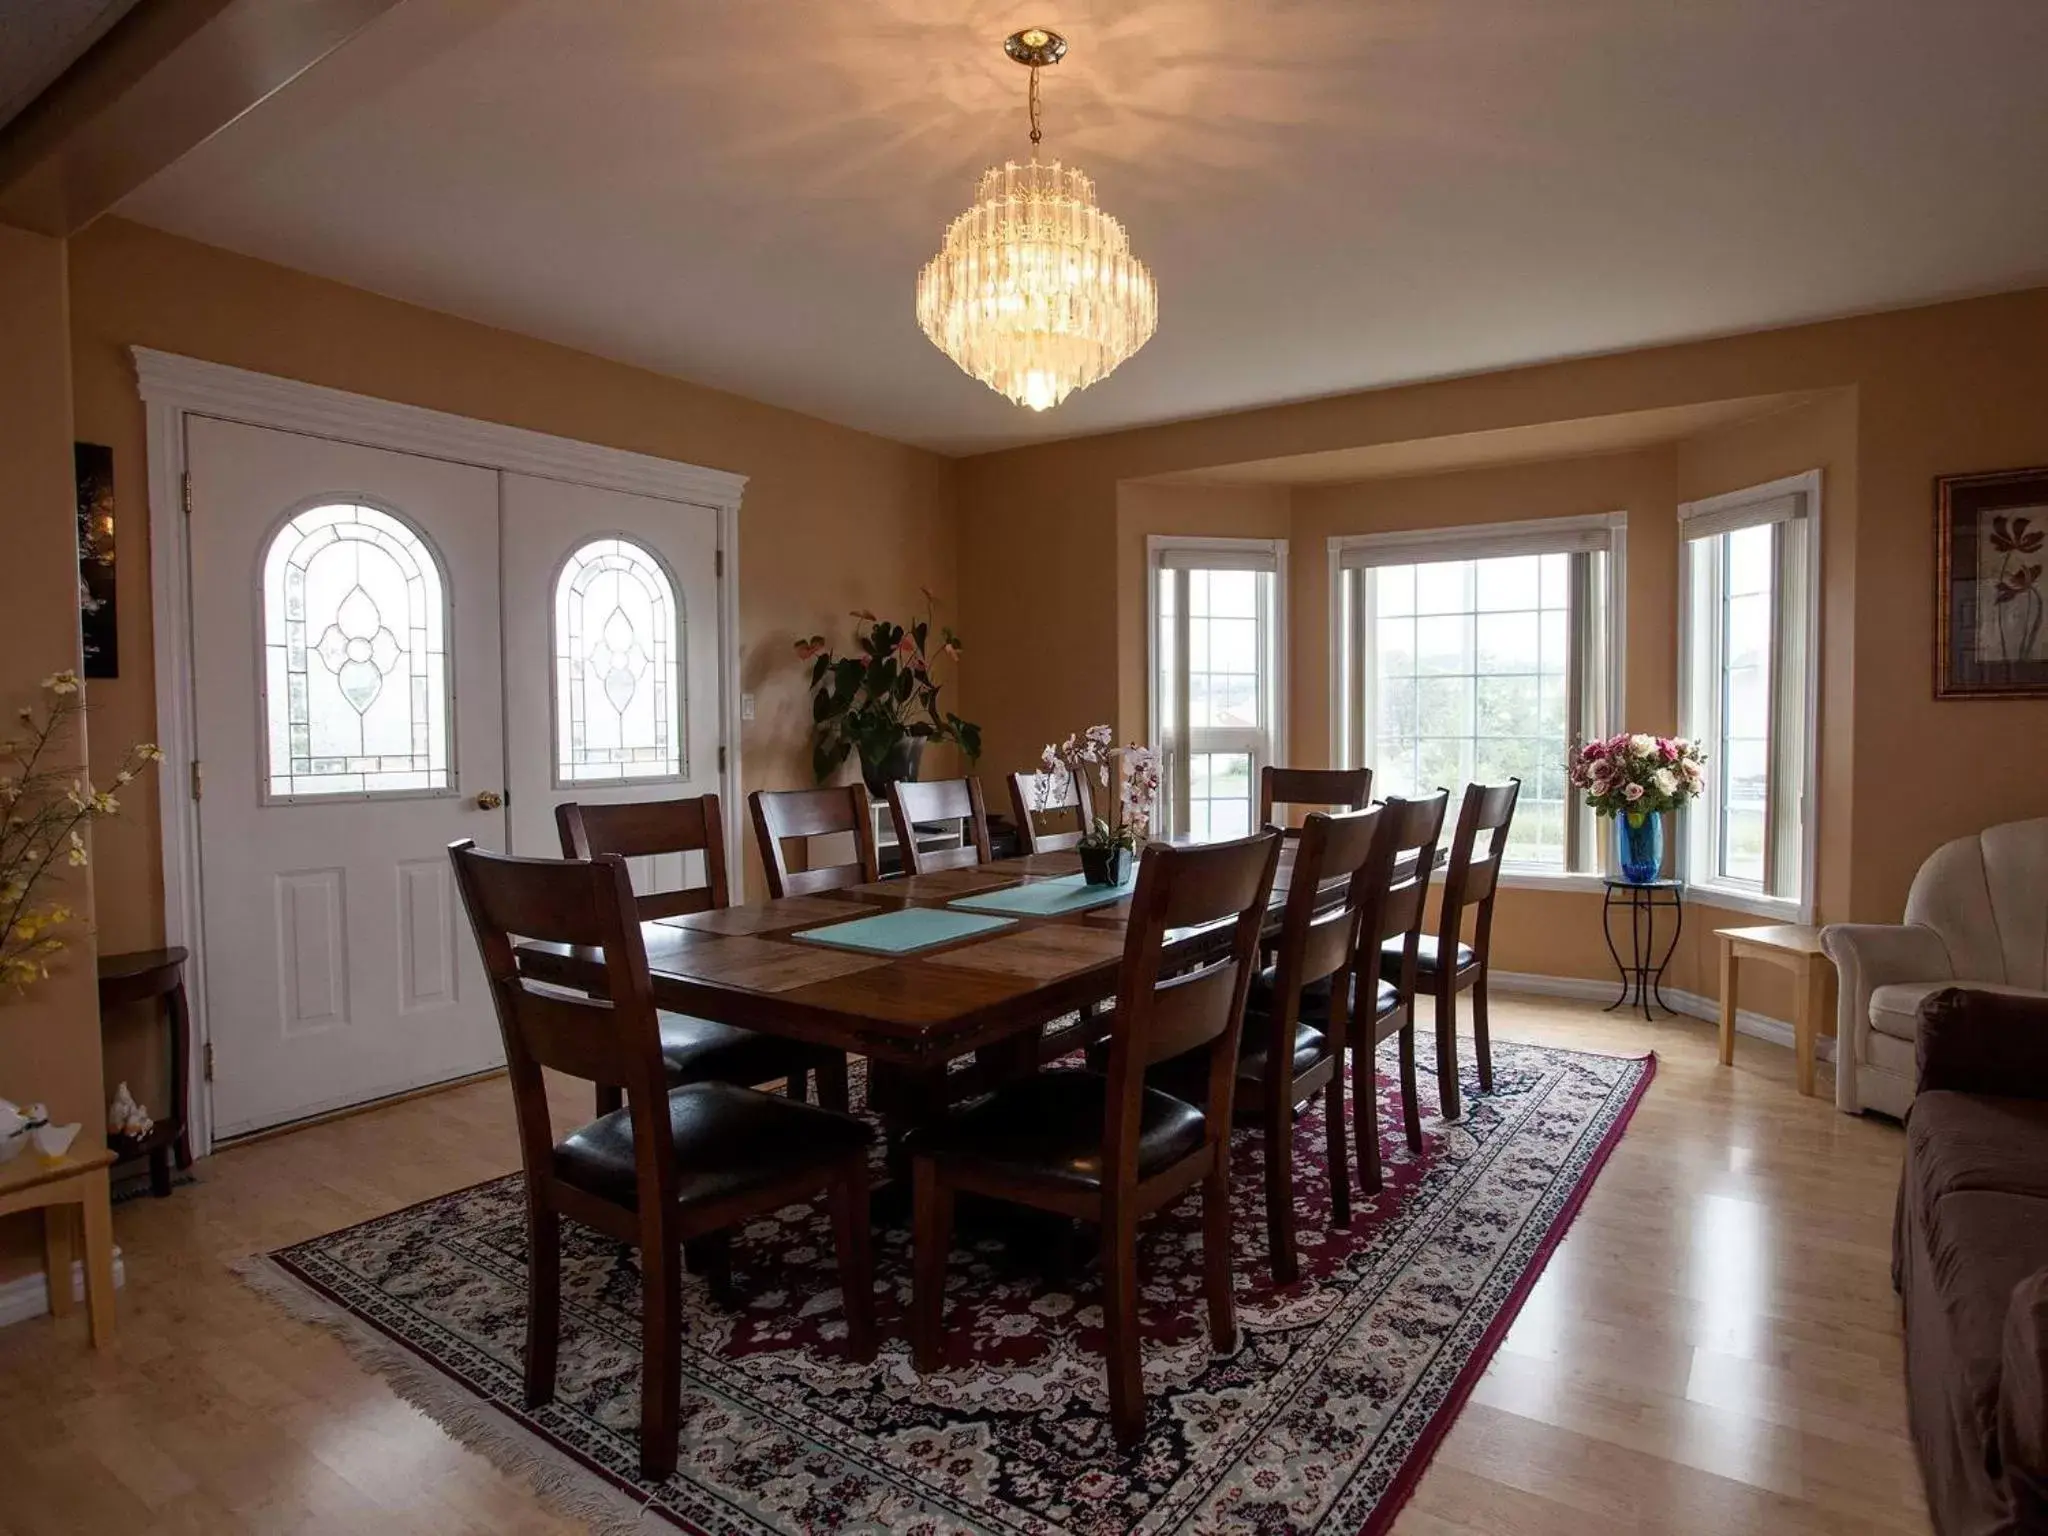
[[43, 809], [1090, 755]]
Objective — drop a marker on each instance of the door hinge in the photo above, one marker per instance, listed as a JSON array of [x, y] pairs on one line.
[[198, 780], [208, 1067], [721, 759], [717, 562], [185, 492]]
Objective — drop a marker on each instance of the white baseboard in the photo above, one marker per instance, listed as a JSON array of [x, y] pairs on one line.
[[27, 1296], [1758, 1026]]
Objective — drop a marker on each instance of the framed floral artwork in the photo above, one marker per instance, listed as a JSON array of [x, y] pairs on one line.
[[1992, 545]]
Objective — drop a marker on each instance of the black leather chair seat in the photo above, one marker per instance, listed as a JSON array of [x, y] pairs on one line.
[[1315, 1000], [726, 1139], [697, 1051], [1049, 1128], [1425, 957]]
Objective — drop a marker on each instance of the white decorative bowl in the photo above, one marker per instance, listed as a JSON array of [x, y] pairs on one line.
[[53, 1141]]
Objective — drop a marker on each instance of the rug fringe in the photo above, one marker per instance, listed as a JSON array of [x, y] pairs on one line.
[[560, 1484]]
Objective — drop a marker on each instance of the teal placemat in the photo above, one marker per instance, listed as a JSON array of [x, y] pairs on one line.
[[1046, 898], [906, 931]]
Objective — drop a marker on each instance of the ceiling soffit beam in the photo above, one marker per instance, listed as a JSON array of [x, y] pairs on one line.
[[168, 76]]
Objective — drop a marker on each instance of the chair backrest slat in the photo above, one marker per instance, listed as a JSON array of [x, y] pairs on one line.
[[1327, 894], [1397, 886], [615, 1040], [1345, 789], [1472, 877], [1159, 1016], [645, 829], [912, 801], [782, 814], [1065, 796]]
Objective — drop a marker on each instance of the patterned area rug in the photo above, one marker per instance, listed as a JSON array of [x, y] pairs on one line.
[[1320, 1422]]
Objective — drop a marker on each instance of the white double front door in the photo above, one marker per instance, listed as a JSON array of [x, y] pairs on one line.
[[391, 652]]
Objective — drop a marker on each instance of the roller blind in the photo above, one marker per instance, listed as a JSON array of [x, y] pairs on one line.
[[1566, 536], [1703, 520], [1234, 556]]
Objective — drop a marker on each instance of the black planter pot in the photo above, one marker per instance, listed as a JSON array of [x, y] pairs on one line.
[[900, 762], [1105, 866]]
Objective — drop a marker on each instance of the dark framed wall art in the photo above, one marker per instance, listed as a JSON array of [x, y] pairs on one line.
[[1991, 641], [94, 464]]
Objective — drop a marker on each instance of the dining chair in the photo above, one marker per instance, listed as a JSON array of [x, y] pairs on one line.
[[1397, 884], [913, 801], [1345, 789], [1444, 964], [1104, 1147], [674, 1166], [695, 1050], [1297, 1016], [784, 814], [1073, 795]]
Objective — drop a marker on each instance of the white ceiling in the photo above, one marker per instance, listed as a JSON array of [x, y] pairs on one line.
[[1334, 193]]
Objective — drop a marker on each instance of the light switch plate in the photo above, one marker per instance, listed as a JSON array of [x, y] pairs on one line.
[[746, 706]]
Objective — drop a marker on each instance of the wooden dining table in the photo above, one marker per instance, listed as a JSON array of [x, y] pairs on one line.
[[988, 996]]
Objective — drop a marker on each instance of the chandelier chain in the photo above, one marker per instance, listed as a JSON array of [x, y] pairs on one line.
[[1036, 133]]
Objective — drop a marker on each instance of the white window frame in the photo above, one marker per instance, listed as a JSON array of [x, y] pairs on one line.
[[1600, 532], [1190, 552], [1708, 518]]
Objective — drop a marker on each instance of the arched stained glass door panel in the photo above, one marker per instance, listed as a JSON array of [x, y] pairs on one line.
[[355, 625], [619, 634]]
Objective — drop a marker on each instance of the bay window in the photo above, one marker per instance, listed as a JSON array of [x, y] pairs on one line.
[[1476, 655], [1217, 688], [1748, 598]]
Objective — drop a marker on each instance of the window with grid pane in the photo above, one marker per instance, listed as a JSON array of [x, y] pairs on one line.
[[618, 639], [1745, 689], [1477, 657], [1216, 693], [355, 620]]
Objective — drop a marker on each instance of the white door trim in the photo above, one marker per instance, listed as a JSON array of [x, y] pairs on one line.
[[173, 388]]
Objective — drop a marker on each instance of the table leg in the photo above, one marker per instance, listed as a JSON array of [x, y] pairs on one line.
[[98, 1216], [1806, 1013], [1728, 1002], [57, 1257]]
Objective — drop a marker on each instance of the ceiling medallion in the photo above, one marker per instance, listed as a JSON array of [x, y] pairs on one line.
[[1035, 291]]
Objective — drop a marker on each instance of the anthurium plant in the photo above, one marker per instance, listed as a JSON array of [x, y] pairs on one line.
[[881, 699]]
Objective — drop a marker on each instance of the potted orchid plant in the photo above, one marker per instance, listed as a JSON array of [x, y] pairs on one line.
[[882, 701], [1108, 847], [1635, 778]]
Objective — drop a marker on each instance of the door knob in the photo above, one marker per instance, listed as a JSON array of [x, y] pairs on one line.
[[489, 800]]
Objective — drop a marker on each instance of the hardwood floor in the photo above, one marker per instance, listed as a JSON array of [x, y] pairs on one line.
[[1715, 1348]]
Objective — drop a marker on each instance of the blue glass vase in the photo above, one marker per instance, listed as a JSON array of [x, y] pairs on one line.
[[1639, 849]]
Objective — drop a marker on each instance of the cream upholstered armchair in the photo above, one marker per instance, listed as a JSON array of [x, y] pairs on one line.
[[1978, 915]]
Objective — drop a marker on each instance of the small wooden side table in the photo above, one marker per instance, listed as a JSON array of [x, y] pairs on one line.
[[1796, 947], [140, 978], [29, 1183]]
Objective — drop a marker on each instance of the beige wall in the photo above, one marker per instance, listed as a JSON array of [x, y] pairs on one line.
[[1945, 389], [833, 519], [49, 1035]]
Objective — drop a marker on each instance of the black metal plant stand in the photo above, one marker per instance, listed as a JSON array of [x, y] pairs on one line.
[[1640, 979]]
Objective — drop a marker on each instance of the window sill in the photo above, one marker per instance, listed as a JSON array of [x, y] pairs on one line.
[[1512, 879], [1777, 909]]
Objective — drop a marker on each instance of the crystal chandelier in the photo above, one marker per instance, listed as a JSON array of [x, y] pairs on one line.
[[1035, 291]]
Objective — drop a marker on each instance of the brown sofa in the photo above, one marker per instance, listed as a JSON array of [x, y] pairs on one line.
[[1970, 1260]]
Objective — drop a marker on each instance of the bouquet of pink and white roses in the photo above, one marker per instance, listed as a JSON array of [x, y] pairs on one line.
[[1637, 776]]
